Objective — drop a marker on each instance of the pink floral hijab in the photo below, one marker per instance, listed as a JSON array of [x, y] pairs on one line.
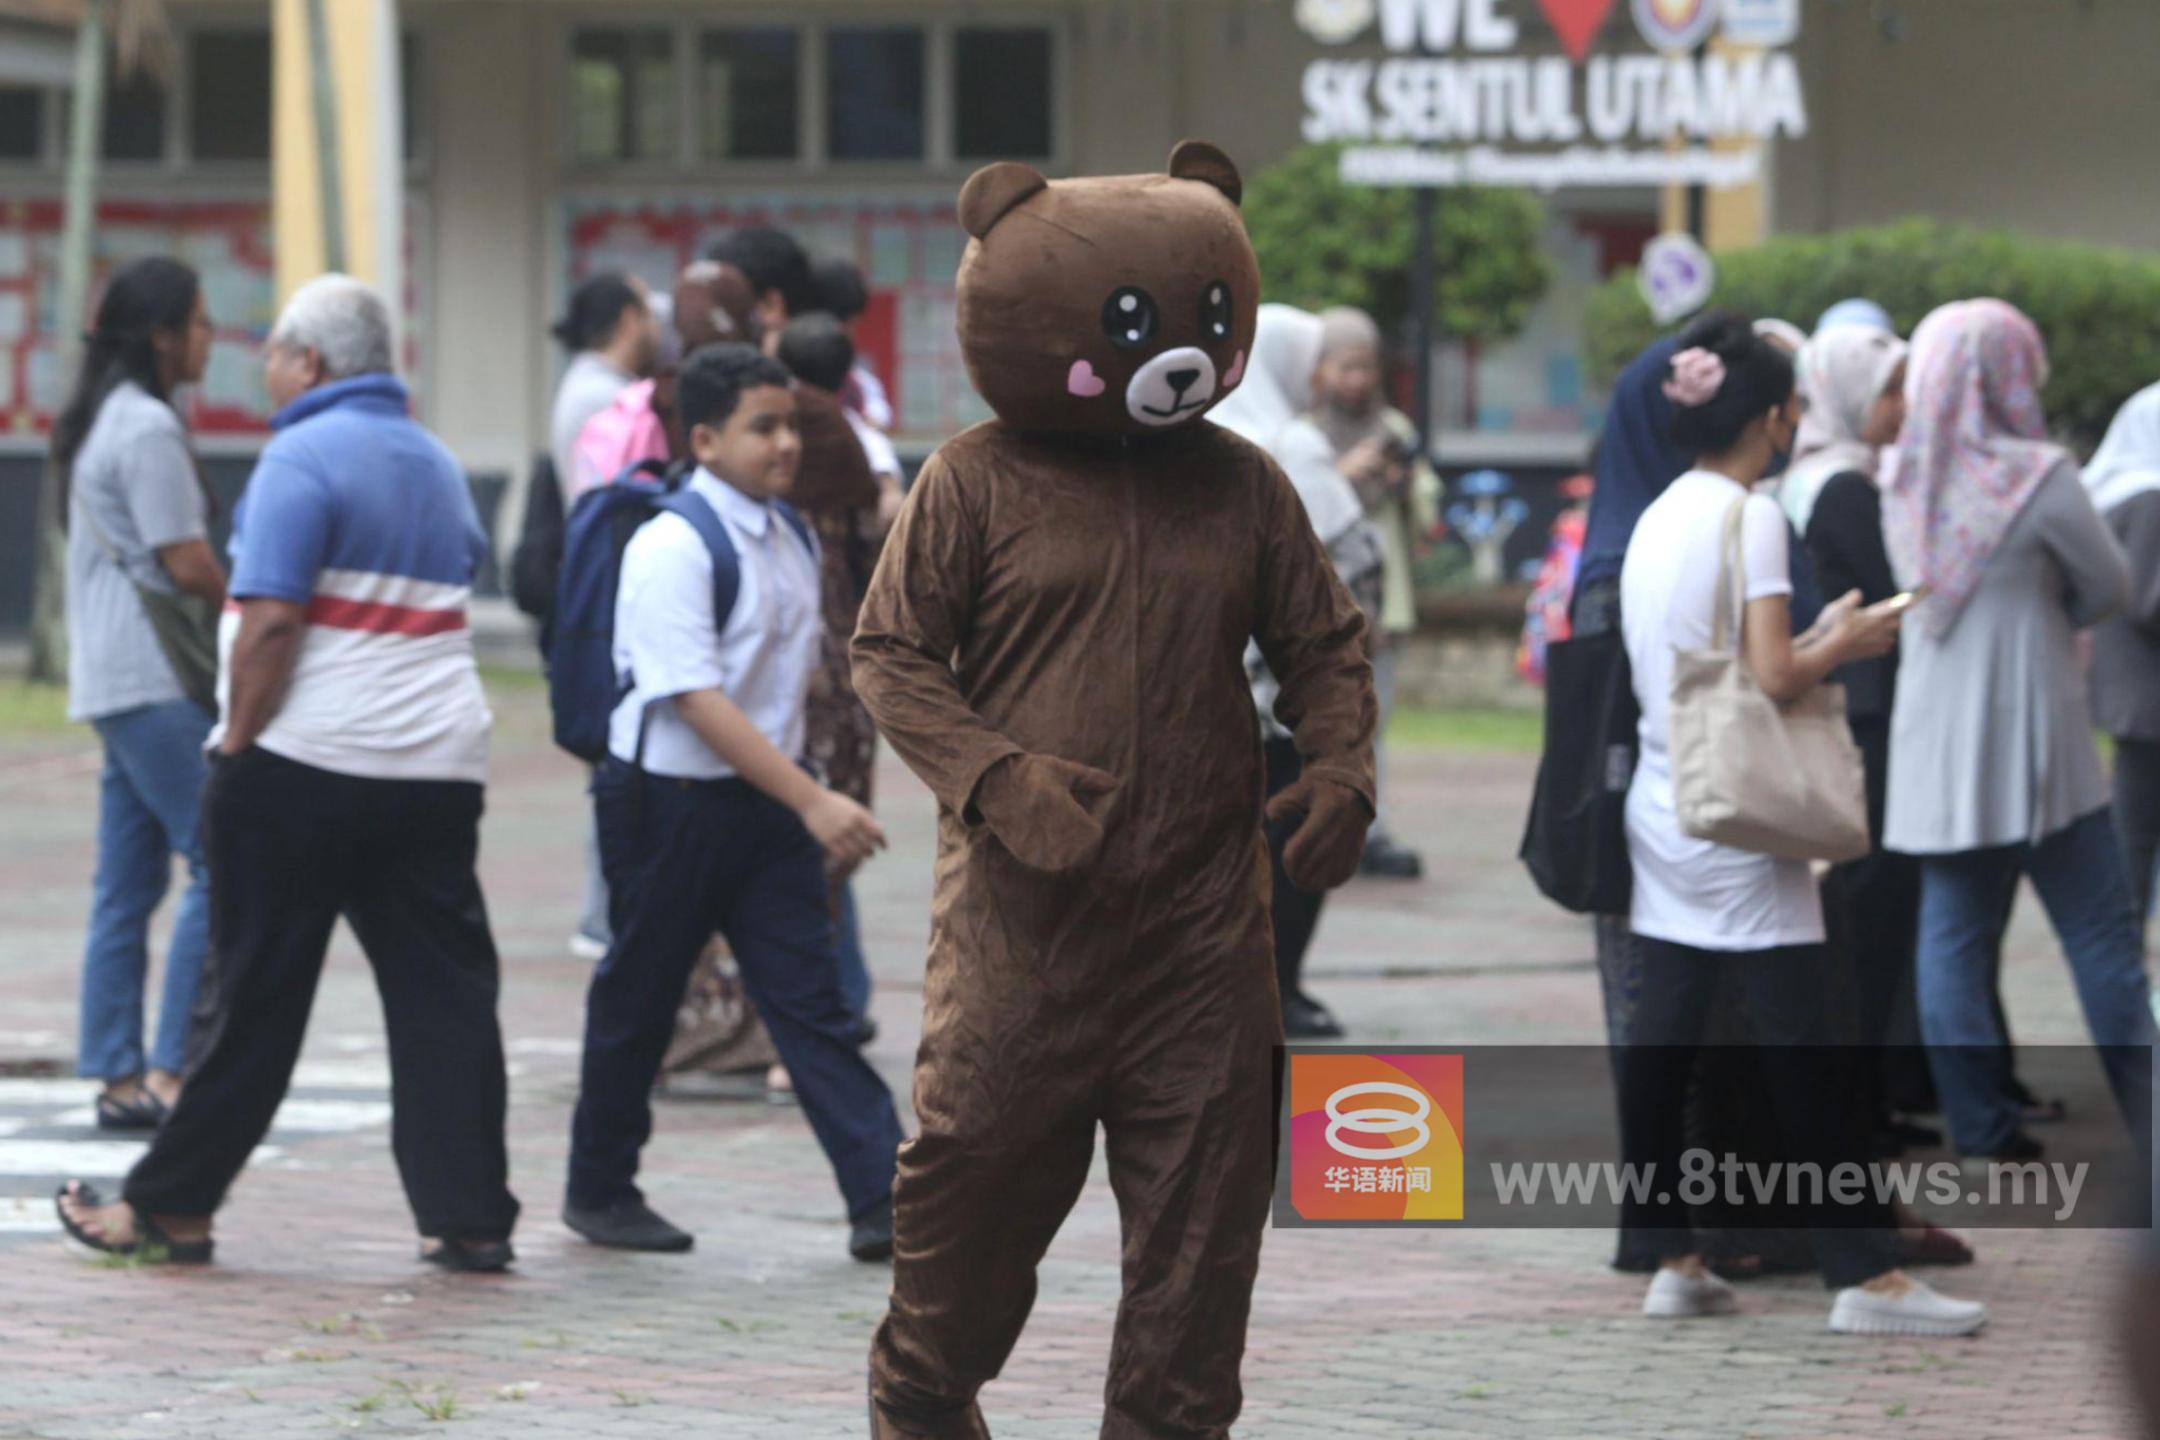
[[1973, 450]]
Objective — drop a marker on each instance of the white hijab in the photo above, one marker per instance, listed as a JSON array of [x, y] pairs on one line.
[[1841, 373], [2128, 461], [1277, 389]]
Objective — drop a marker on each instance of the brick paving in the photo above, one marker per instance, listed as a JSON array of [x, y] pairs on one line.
[[317, 1320]]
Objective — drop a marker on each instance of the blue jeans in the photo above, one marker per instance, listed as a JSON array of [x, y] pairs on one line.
[[149, 804], [1965, 904]]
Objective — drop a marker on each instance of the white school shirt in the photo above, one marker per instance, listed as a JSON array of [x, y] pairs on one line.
[[1689, 891], [666, 645]]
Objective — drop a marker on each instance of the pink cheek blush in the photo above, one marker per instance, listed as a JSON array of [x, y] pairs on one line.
[[1082, 380], [1236, 371]]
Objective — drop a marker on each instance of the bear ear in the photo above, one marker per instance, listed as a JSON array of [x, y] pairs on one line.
[[1198, 160], [993, 190]]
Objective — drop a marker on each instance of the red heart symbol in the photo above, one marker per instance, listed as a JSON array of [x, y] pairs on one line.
[[1577, 22]]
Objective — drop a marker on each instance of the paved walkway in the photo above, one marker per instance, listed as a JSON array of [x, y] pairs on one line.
[[318, 1320]]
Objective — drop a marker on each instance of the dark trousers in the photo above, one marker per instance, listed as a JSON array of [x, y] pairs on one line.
[[2137, 816], [1296, 912], [291, 848], [1812, 1091], [1873, 908], [684, 858]]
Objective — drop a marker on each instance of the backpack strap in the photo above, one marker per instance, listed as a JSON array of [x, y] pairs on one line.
[[726, 564]]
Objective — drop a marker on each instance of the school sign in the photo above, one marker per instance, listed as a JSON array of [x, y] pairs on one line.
[[1454, 102]]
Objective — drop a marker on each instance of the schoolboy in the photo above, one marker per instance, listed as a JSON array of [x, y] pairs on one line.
[[708, 821]]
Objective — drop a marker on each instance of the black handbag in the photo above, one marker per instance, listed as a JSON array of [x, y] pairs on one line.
[[1575, 843]]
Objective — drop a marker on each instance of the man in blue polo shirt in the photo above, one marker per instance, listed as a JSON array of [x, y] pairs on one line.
[[347, 778]]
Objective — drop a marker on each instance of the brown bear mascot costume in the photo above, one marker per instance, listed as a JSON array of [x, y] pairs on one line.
[[1053, 641]]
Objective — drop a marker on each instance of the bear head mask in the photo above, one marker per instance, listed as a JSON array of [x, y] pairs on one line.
[[1116, 305]]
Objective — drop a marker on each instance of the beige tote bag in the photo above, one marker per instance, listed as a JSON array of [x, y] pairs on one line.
[[1748, 772]]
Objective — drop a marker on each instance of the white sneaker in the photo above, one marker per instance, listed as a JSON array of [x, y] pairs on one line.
[[585, 947], [1676, 1295], [1919, 1311]]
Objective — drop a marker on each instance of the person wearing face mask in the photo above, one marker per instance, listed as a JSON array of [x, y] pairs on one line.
[[1709, 916]]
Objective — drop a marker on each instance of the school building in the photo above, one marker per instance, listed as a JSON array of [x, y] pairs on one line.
[[545, 139]]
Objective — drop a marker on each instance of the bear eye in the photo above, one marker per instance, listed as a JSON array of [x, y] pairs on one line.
[[1129, 317], [1215, 311]]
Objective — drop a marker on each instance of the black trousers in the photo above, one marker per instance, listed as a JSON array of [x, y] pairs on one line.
[[1872, 906], [684, 858], [2137, 815], [1813, 1091], [1296, 912], [291, 848]]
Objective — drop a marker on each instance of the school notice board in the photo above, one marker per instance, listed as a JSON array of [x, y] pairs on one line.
[[227, 242]]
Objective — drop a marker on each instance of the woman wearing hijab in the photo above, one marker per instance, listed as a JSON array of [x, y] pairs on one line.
[[2124, 482], [1865, 313], [1993, 772], [1277, 389], [1376, 448], [1852, 376]]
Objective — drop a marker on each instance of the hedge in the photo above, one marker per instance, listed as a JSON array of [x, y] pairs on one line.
[[2098, 308]]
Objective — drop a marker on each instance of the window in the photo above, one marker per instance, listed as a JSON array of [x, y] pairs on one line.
[[622, 95], [746, 86], [874, 93], [134, 116], [1001, 94], [229, 95], [22, 123]]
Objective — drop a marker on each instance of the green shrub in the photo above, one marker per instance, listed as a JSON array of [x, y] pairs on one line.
[[2098, 308], [1323, 243]]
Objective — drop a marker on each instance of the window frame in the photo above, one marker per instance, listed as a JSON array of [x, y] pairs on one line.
[[751, 23], [177, 163], [814, 159]]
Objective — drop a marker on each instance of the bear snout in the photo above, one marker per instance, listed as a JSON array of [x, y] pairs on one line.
[[1172, 387]]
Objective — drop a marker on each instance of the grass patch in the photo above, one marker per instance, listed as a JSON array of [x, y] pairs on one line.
[[514, 679], [1520, 732], [32, 710]]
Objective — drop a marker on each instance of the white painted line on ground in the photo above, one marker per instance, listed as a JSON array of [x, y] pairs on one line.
[[91, 1159], [25, 1215], [547, 1045], [330, 1116], [47, 1092]]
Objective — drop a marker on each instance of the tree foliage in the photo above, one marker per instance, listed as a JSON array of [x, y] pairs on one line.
[[2099, 309], [1323, 243]]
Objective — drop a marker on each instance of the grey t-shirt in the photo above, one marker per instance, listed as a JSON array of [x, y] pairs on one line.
[[134, 489]]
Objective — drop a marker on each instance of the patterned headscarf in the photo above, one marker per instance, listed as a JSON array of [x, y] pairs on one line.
[[1973, 450]]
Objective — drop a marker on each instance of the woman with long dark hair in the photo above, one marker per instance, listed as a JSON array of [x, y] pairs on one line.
[[138, 518]]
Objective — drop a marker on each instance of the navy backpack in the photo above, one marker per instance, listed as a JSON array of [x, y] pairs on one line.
[[583, 687]]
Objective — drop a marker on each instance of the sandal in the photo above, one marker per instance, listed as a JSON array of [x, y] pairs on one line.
[[468, 1257], [153, 1245], [144, 1112]]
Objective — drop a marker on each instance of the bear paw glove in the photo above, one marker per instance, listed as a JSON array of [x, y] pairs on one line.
[[1324, 849], [1047, 811]]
